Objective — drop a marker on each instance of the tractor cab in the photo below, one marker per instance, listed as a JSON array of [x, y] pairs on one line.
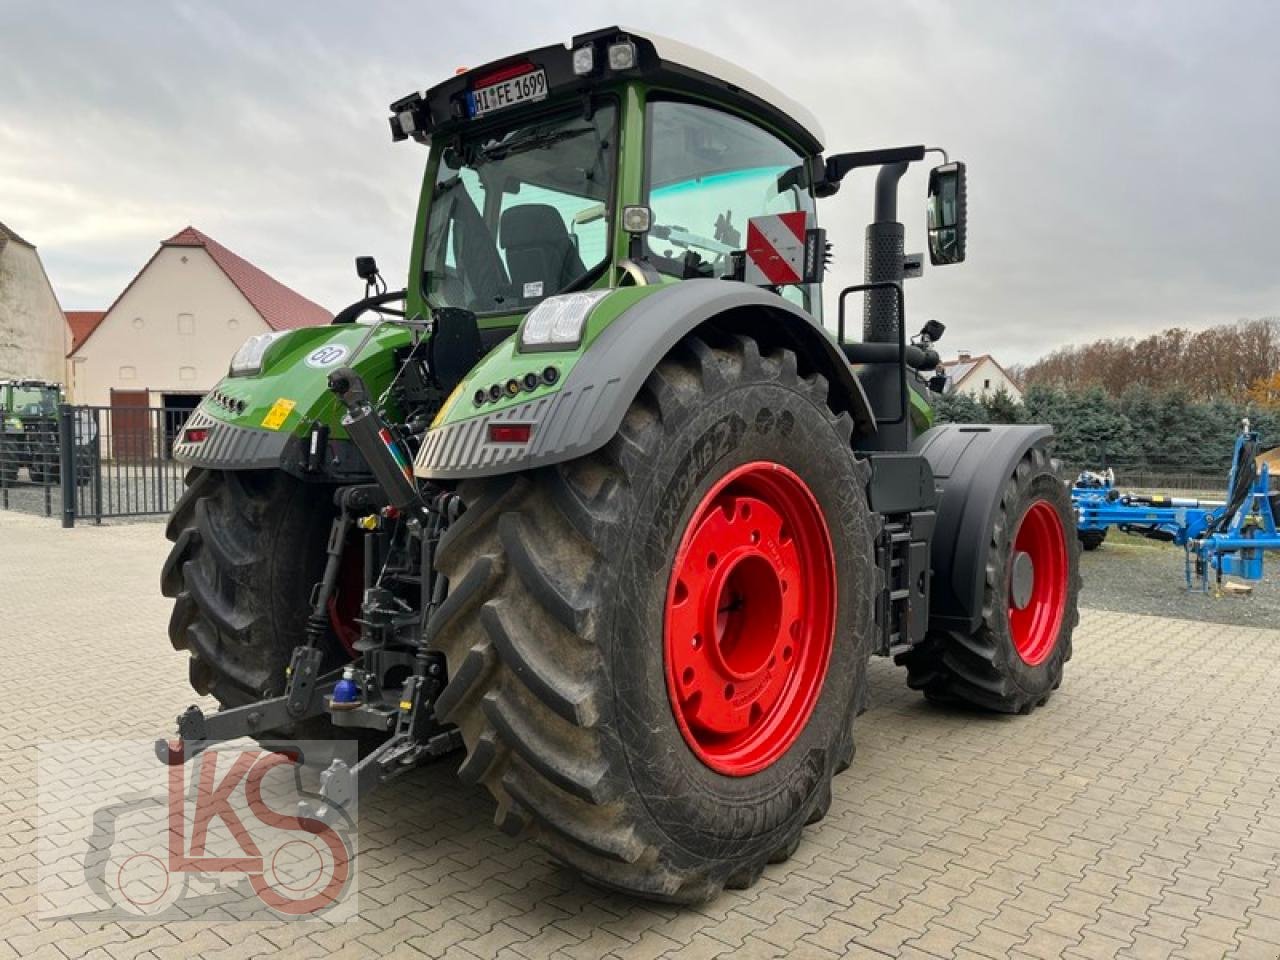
[[626, 159], [620, 159], [28, 399]]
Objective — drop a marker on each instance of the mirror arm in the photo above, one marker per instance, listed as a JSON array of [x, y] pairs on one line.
[[839, 164]]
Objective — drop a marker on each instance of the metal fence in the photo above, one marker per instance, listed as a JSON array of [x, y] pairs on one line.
[[121, 459]]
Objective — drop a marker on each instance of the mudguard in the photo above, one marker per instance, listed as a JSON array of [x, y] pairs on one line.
[[588, 408], [971, 465]]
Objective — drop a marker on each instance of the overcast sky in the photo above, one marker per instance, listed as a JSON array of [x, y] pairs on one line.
[[1124, 158]]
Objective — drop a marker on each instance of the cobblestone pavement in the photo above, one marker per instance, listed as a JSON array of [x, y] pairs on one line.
[[1137, 815]]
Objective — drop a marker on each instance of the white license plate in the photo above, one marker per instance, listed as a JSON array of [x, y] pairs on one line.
[[525, 88]]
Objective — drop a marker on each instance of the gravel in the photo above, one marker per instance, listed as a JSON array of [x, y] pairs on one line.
[[1134, 575]]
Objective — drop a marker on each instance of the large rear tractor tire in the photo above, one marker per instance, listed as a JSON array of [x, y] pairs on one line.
[[248, 546], [656, 651], [1014, 660]]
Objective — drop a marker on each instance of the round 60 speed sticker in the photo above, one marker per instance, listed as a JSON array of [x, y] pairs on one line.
[[326, 356]]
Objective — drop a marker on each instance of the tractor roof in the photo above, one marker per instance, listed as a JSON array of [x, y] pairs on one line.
[[660, 60]]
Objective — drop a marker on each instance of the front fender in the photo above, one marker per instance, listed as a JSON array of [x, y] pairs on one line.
[[971, 465], [586, 410]]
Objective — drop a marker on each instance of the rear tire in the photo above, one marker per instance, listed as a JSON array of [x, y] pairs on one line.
[[248, 546], [1015, 659], [561, 587]]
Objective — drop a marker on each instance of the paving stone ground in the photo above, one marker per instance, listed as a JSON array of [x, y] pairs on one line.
[[1137, 815]]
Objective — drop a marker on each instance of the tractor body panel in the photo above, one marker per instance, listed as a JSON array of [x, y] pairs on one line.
[[263, 420], [971, 465], [628, 333]]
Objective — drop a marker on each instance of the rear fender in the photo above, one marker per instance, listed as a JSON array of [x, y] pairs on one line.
[[971, 465], [586, 411], [262, 420]]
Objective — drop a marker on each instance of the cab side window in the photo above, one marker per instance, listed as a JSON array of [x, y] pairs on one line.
[[708, 172]]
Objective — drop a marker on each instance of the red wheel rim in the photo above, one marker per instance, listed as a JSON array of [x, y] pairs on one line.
[[1036, 607], [750, 614]]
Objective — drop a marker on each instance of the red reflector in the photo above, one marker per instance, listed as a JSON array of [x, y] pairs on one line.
[[195, 435], [510, 432], [503, 73]]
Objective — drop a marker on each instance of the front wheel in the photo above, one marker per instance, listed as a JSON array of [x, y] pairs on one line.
[[656, 651], [1015, 658]]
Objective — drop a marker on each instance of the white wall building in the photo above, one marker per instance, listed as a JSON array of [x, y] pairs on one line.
[[169, 336], [33, 332], [978, 377]]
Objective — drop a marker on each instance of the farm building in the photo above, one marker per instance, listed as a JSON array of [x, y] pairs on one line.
[[169, 336], [33, 331], [978, 377]]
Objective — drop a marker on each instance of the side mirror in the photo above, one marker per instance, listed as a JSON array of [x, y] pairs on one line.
[[947, 209], [366, 268], [455, 345]]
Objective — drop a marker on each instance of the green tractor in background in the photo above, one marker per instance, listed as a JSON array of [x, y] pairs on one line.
[[29, 430], [598, 499]]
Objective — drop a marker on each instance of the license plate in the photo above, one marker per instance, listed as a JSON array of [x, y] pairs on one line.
[[526, 88]]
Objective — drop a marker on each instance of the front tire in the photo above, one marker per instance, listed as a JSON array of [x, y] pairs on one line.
[[568, 594], [1015, 659]]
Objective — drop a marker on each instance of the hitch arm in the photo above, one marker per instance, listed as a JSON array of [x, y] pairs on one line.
[[304, 697]]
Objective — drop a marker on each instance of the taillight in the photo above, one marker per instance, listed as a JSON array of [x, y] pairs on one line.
[[502, 73], [510, 432], [195, 435]]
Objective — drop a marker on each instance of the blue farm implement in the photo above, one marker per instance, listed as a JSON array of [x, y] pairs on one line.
[[1226, 538]]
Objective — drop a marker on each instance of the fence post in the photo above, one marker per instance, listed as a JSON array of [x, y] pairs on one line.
[[67, 465]]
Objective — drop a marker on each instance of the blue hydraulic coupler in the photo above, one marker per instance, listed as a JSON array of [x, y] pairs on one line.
[[346, 692]]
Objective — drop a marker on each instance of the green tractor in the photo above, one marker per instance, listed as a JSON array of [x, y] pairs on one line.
[[29, 430], [599, 499]]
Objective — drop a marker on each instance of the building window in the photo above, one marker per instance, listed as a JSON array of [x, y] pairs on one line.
[[186, 373], [186, 324], [986, 384], [128, 373]]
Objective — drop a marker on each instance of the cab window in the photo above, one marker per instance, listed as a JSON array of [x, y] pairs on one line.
[[708, 172], [521, 213]]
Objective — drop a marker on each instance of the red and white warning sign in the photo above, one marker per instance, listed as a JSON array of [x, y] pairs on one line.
[[775, 249]]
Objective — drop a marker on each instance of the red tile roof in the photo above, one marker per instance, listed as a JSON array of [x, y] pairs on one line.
[[82, 323], [282, 308]]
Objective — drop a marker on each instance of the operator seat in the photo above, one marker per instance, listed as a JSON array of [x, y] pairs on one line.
[[539, 249]]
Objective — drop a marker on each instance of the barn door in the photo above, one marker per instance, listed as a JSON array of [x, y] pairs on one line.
[[130, 425]]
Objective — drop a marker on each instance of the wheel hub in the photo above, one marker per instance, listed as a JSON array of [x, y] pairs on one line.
[[749, 620], [1022, 579]]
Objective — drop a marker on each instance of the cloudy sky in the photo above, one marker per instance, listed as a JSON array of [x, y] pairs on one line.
[[1124, 158]]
